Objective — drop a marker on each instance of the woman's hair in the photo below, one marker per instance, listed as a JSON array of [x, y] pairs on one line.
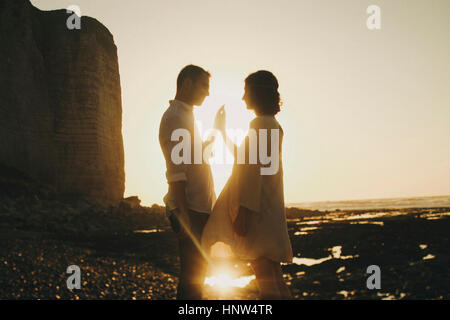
[[262, 87]]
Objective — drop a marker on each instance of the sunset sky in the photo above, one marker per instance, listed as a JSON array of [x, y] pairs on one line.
[[366, 113]]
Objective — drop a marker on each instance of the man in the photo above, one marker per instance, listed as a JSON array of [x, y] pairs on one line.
[[191, 188]]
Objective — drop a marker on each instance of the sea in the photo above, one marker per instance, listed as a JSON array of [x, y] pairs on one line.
[[390, 203]]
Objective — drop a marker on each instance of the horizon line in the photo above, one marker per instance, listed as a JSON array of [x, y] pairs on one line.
[[367, 199]]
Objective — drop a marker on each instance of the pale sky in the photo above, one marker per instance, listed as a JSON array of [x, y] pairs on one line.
[[366, 113]]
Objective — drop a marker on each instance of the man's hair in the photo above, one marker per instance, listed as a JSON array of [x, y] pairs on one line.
[[192, 72]]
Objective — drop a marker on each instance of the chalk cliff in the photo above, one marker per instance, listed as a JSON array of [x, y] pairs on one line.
[[60, 101]]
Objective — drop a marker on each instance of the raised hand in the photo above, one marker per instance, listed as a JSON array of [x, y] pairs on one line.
[[220, 119]]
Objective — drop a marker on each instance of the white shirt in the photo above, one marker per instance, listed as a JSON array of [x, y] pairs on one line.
[[200, 194]]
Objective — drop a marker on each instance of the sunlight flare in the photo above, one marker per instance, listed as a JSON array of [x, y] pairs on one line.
[[225, 281], [225, 89]]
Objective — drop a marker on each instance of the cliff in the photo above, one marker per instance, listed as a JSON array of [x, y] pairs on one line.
[[60, 101]]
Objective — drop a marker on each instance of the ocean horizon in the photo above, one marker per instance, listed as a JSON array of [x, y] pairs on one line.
[[386, 203]]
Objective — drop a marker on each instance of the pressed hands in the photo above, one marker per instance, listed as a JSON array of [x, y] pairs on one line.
[[242, 221]]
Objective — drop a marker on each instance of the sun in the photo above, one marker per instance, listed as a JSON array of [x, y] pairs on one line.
[[228, 92], [225, 280]]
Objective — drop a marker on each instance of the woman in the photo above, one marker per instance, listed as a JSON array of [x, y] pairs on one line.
[[249, 214]]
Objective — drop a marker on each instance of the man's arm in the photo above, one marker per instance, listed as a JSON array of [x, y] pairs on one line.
[[175, 174]]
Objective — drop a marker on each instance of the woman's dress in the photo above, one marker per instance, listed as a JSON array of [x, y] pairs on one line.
[[267, 235]]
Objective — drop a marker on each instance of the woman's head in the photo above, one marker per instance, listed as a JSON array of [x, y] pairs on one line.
[[261, 93]]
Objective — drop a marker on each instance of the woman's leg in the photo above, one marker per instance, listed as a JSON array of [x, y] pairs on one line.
[[284, 289], [270, 280], [266, 278]]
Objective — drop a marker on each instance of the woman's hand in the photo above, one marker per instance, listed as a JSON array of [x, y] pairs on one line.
[[220, 120], [242, 222]]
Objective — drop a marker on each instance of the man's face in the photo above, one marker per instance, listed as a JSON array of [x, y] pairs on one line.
[[246, 98], [200, 89]]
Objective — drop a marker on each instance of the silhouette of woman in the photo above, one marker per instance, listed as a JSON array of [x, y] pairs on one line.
[[249, 214]]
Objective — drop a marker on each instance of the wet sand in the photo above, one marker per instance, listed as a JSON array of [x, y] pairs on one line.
[[41, 237]]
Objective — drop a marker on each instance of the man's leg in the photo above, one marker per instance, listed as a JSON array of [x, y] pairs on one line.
[[198, 260], [175, 224], [184, 291], [192, 262]]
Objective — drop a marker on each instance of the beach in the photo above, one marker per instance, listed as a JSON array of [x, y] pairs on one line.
[[130, 252], [337, 111]]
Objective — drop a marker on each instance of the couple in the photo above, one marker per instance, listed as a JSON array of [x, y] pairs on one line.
[[249, 214]]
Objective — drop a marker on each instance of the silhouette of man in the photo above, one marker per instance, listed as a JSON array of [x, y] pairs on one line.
[[191, 188]]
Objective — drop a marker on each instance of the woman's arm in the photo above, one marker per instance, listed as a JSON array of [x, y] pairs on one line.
[[242, 222], [220, 124], [230, 144]]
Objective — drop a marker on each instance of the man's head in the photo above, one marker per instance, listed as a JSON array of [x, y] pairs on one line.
[[193, 85]]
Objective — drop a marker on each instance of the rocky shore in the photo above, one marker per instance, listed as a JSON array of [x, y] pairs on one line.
[[127, 251]]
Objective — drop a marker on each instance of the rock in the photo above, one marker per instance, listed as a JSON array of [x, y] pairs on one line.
[[132, 202], [61, 109]]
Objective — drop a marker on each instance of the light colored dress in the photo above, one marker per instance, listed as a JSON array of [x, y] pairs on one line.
[[267, 236]]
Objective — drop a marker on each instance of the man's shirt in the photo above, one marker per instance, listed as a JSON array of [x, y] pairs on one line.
[[200, 194]]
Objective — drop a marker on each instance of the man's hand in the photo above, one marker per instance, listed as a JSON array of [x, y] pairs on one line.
[[179, 191], [185, 224], [242, 222]]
